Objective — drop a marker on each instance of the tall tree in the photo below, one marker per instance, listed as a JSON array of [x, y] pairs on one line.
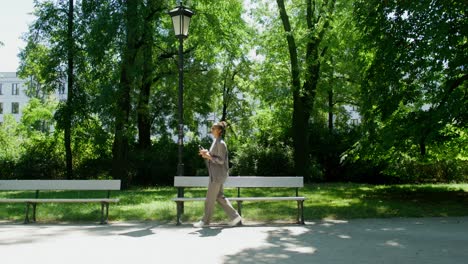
[[151, 56], [414, 93], [318, 15], [128, 78], [70, 81], [423, 71], [50, 60], [337, 93]]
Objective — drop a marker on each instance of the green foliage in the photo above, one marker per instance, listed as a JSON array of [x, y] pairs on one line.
[[162, 159], [38, 118], [401, 63], [92, 151], [33, 151], [407, 170], [265, 148], [42, 159], [261, 160], [417, 71], [10, 139], [413, 95]]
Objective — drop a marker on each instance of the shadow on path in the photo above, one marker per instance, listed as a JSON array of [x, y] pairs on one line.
[[419, 240], [382, 241]]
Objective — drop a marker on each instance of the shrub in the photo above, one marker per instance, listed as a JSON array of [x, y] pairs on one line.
[[420, 171], [7, 169], [42, 159], [254, 159], [158, 166]]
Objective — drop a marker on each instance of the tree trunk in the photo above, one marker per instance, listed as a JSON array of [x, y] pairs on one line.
[[422, 147], [227, 93], [298, 125], [120, 148], [69, 108], [143, 113], [330, 112]]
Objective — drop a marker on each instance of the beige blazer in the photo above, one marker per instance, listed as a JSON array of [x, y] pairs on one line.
[[218, 167]]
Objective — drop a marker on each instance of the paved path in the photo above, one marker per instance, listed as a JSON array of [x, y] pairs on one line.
[[373, 241]]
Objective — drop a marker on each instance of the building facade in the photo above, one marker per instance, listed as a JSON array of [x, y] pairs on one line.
[[12, 95]]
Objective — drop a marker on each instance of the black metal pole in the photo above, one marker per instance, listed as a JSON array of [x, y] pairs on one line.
[[180, 166]]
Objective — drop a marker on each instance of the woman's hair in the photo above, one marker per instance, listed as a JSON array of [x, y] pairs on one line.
[[221, 125]]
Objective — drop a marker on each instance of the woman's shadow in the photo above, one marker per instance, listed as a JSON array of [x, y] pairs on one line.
[[208, 232]]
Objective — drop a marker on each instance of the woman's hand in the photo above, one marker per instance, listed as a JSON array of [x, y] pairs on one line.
[[205, 154], [202, 152]]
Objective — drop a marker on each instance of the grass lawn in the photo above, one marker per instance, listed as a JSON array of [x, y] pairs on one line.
[[331, 201]]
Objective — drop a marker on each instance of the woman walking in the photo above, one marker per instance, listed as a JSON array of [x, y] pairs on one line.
[[218, 165]]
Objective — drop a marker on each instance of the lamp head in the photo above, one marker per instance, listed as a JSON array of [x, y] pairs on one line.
[[181, 20]]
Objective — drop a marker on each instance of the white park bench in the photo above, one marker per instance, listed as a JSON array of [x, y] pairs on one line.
[[239, 182], [53, 185]]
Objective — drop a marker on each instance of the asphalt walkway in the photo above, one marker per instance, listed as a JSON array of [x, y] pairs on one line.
[[373, 241]]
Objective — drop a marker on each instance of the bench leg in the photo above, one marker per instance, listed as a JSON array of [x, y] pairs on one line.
[[180, 194], [180, 208], [298, 216], [26, 218], [239, 207], [102, 213], [300, 212], [34, 212], [105, 206], [107, 213], [302, 215]]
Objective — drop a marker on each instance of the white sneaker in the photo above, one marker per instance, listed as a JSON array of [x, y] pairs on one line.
[[235, 221], [199, 224]]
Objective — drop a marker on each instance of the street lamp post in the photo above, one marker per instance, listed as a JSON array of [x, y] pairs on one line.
[[181, 19]]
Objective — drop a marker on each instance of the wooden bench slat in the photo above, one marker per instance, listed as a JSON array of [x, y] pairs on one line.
[[242, 181], [33, 200], [198, 199], [78, 185], [268, 199]]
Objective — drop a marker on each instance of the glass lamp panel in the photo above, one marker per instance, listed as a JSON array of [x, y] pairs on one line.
[[186, 23], [177, 25]]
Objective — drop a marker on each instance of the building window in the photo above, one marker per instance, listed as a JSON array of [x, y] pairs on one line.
[[1, 108], [14, 89], [355, 122], [1, 89], [15, 108]]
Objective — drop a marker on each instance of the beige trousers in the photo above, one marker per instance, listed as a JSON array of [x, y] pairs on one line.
[[215, 194]]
